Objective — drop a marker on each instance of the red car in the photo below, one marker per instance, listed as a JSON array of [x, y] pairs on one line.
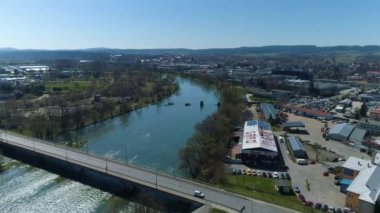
[[309, 203], [302, 198], [326, 173], [312, 162]]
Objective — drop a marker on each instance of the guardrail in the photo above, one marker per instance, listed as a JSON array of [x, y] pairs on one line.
[[155, 173]]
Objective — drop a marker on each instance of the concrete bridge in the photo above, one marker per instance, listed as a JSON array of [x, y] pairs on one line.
[[174, 185]]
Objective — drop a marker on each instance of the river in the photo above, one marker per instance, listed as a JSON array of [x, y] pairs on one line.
[[149, 137]]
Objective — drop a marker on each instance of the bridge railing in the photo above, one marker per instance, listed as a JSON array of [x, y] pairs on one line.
[[119, 162]]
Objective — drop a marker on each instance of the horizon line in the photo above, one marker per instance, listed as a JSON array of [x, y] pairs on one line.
[[182, 48]]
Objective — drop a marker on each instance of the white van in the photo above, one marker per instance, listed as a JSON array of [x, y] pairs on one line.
[[302, 161]]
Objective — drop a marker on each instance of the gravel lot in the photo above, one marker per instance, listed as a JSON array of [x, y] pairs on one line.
[[313, 127]]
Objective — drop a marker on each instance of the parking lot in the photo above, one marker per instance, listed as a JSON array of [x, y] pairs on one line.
[[314, 135], [322, 189]]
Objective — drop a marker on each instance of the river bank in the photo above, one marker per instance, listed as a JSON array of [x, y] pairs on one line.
[[150, 137]]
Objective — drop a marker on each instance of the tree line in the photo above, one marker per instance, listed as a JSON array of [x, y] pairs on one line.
[[59, 113], [204, 152]]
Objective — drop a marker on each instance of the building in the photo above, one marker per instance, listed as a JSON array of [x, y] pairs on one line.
[[357, 136], [268, 111], [258, 144], [312, 113], [352, 167], [325, 89], [283, 186], [364, 192], [33, 68], [375, 114], [340, 132], [292, 124], [300, 74], [372, 126], [296, 148]]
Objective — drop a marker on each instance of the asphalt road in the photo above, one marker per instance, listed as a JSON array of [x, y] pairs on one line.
[[170, 184]]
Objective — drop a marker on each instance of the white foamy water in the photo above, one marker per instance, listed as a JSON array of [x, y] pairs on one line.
[[25, 189]]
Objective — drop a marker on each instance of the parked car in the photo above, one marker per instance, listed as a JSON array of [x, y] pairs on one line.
[[347, 210], [282, 176], [331, 169], [338, 210], [337, 182], [302, 198], [265, 174], [296, 189], [248, 172], [259, 173], [318, 206], [309, 203], [332, 208], [275, 174], [234, 172], [239, 172], [288, 176], [325, 208], [243, 172], [325, 173], [312, 162], [270, 175], [199, 194], [337, 177], [254, 173]]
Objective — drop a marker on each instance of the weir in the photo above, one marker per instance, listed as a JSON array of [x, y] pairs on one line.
[[155, 189]]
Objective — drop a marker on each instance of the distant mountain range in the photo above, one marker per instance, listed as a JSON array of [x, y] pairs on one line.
[[98, 53]]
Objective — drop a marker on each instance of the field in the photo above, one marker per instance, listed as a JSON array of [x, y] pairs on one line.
[[263, 189]]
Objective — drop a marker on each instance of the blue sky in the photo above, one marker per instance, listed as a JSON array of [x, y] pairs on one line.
[[72, 24]]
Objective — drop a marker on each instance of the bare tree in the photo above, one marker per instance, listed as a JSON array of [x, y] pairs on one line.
[[317, 150]]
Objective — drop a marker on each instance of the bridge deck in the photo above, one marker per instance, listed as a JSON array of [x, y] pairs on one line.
[[171, 184]]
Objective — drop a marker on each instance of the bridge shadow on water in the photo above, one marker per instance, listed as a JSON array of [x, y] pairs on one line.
[[134, 192]]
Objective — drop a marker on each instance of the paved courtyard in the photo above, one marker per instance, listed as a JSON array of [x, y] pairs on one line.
[[322, 189]]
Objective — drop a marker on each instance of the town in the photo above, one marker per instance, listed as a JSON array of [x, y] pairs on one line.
[[309, 141]]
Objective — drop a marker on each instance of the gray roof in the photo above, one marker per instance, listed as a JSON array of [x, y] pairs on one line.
[[343, 129], [295, 144], [367, 184], [293, 124], [358, 135], [268, 110]]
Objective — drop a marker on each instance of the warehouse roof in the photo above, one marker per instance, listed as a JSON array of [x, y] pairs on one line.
[[295, 143], [356, 164], [268, 110], [343, 129], [293, 124], [358, 135], [367, 184], [258, 134]]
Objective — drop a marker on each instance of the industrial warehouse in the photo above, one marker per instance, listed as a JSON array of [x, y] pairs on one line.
[[258, 143], [296, 148]]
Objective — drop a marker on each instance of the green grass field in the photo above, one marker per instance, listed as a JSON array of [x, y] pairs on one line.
[[263, 189], [213, 210]]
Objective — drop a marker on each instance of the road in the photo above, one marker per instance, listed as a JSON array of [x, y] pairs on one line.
[[171, 184]]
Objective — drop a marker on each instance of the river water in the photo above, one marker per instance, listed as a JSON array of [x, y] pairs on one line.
[[150, 137]]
